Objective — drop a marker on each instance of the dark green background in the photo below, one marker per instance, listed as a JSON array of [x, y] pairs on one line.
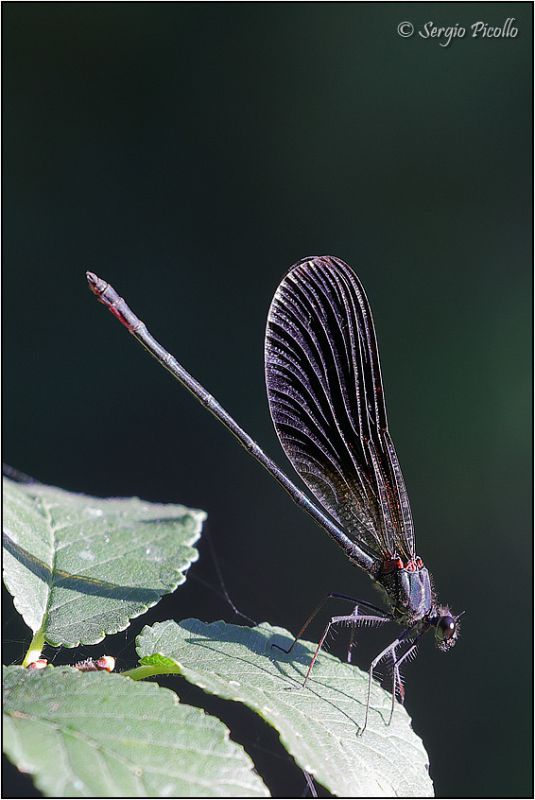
[[189, 153]]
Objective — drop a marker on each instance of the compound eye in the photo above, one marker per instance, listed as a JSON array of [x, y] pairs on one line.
[[446, 627]]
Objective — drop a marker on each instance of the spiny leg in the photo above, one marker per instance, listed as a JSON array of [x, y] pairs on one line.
[[332, 596], [397, 683], [391, 649], [351, 645], [363, 619], [350, 619]]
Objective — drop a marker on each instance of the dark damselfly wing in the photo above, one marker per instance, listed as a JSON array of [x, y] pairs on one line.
[[326, 399]]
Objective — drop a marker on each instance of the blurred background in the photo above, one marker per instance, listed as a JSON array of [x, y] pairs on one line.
[[189, 154]]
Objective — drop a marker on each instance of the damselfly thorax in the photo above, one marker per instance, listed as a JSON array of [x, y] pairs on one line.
[[408, 590]]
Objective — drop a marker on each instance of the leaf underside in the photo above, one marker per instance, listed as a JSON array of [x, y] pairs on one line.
[[81, 567]]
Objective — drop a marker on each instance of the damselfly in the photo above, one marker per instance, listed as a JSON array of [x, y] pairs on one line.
[[326, 399]]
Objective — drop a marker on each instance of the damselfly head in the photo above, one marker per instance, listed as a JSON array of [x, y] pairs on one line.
[[447, 628]]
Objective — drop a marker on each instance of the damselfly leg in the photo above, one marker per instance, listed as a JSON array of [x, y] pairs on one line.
[[352, 643], [397, 685], [397, 682], [354, 619]]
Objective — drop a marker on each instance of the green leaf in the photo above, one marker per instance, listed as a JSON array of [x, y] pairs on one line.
[[318, 724], [81, 567], [99, 735]]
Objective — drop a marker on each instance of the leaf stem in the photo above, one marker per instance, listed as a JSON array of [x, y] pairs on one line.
[[34, 650], [148, 670]]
